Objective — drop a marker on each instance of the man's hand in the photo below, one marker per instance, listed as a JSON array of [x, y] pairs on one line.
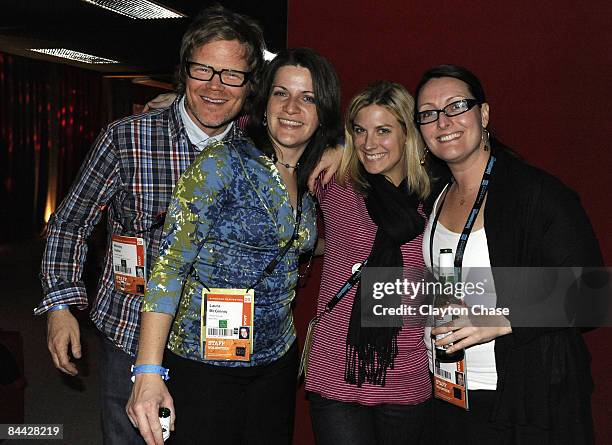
[[63, 331], [164, 100], [149, 393], [330, 163]]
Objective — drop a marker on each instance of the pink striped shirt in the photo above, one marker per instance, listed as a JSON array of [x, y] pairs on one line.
[[349, 235]]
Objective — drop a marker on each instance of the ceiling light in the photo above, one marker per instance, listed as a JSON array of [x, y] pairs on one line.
[[137, 9], [73, 55]]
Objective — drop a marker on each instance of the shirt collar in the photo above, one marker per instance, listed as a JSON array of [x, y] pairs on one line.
[[195, 134]]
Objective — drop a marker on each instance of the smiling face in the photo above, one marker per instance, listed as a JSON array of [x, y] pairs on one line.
[[452, 139], [379, 141], [291, 111], [210, 104]]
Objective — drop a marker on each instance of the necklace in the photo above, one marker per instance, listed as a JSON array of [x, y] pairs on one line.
[[462, 198], [275, 160]]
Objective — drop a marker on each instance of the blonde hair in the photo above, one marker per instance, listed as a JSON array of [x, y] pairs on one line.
[[396, 99]]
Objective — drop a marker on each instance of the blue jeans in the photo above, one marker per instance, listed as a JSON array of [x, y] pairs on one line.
[[339, 423], [115, 390]]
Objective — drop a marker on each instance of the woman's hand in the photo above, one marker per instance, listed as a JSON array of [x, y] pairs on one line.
[[329, 163], [469, 331], [149, 393], [163, 100]]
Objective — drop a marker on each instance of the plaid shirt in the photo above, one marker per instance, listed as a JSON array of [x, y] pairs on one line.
[[131, 172]]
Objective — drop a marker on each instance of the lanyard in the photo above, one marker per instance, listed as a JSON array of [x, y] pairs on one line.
[[348, 285], [469, 224], [281, 253]]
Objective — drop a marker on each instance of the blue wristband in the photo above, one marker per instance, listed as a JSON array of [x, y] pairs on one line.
[[58, 307], [150, 369]]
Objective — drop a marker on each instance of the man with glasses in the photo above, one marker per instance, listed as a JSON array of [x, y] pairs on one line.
[[130, 172]]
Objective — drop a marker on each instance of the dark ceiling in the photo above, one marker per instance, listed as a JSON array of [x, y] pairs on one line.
[[143, 47]]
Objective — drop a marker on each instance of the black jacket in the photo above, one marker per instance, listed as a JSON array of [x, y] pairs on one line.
[[533, 220]]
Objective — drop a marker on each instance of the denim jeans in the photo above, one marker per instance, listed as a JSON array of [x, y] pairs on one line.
[[339, 423], [116, 386]]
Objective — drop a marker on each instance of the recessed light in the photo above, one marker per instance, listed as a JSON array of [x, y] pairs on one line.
[[73, 55], [137, 9]]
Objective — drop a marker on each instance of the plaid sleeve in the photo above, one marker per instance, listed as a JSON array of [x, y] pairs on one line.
[[72, 223]]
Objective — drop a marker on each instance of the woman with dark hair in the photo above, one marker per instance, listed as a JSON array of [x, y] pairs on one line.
[[326, 89], [238, 221], [371, 385], [526, 385]]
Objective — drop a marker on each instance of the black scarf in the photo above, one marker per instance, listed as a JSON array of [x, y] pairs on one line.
[[370, 351]]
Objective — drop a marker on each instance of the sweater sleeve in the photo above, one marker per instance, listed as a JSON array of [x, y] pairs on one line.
[[195, 204], [567, 240]]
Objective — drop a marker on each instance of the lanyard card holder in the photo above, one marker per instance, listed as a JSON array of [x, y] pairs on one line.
[[450, 377], [226, 330], [450, 381], [129, 264], [227, 315]]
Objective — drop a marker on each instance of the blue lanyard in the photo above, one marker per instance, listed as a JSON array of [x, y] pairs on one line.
[[348, 285], [469, 224]]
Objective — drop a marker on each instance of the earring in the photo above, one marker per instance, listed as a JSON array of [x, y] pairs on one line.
[[486, 142], [424, 157], [265, 119]]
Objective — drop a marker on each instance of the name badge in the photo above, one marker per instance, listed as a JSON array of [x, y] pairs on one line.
[[450, 381], [226, 331], [129, 264]]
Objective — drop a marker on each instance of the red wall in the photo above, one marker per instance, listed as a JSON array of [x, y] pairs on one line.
[[546, 67]]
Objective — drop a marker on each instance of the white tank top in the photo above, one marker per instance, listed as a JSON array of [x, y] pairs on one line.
[[481, 371]]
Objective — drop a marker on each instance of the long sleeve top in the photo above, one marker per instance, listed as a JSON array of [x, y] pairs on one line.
[[129, 174], [533, 220], [349, 235], [229, 217]]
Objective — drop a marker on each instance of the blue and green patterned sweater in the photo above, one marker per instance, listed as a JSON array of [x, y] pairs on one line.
[[229, 216]]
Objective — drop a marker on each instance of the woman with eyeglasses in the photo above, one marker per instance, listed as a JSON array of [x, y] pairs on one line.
[[239, 218], [370, 384], [526, 385]]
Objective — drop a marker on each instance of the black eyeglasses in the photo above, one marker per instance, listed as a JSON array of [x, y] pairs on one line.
[[452, 109], [232, 78]]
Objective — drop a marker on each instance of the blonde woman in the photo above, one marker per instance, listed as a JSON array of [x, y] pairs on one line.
[[371, 385]]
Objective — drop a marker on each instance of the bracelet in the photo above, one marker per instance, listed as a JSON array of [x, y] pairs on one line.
[[58, 307], [150, 369]]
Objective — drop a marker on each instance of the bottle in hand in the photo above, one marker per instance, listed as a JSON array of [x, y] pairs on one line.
[[446, 274]]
